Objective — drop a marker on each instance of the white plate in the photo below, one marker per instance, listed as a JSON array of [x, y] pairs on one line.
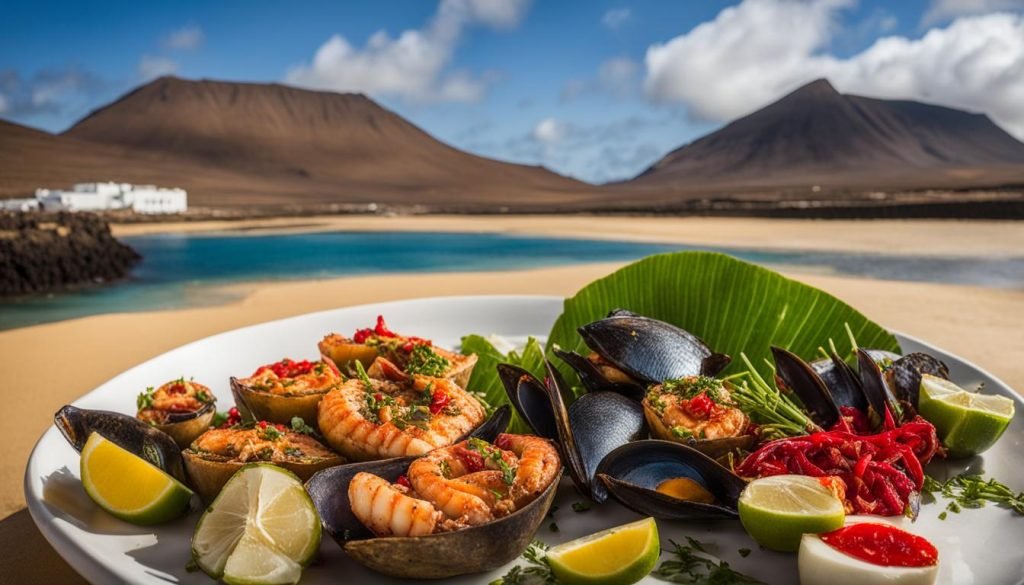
[[976, 547]]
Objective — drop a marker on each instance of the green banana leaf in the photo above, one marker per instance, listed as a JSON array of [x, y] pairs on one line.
[[734, 306]]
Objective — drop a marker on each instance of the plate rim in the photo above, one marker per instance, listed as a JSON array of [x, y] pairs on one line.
[[96, 571]]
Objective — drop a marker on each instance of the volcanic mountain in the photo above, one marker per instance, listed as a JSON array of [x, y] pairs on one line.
[[817, 136], [242, 144]]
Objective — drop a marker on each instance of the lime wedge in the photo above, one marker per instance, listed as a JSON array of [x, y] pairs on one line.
[[967, 422], [261, 530], [776, 511], [128, 486], [617, 556]]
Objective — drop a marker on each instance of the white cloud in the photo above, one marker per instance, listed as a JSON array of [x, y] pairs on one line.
[[188, 38], [415, 65], [616, 17], [753, 53], [945, 10], [550, 131], [618, 76], [151, 67]]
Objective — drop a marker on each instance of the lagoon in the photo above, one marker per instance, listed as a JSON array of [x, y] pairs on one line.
[[187, 270]]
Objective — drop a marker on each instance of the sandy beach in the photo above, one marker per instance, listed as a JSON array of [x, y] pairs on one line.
[[49, 365]]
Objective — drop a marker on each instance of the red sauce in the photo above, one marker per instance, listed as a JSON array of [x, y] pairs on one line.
[[701, 406], [287, 368], [438, 401], [884, 545]]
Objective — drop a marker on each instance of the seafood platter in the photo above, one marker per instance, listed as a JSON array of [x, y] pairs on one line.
[[469, 440]]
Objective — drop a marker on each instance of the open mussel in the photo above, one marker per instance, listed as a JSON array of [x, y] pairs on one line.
[[650, 351], [596, 375], [804, 381], [905, 375], [587, 430], [130, 433], [430, 542], [670, 481]]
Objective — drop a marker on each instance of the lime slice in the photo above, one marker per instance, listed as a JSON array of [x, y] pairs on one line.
[[776, 511], [967, 422], [617, 556], [128, 486], [262, 529]]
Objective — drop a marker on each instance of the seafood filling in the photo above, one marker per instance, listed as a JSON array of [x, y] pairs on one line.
[[468, 484], [697, 407], [291, 378], [262, 442], [178, 397]]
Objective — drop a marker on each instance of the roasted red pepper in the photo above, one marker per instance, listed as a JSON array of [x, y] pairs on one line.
[[438, 400]]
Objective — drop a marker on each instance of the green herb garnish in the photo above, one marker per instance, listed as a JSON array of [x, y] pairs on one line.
[[693, 566], [508, 473], [744, 552], [145, 399], [423, 360], [536, 572], [446, 469], [580, 507], [776, 414], [363, 376], [692, 386], [270, 433], [300, 426], [973, 491]]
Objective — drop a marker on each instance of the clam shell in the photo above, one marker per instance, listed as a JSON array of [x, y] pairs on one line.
[[208, 475], [714, 448], [436, 556], [631, 473], [187, 429], [277, 408]]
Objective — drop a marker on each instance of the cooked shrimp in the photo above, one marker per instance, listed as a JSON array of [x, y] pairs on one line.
[[386, 511], [437, 477], [721, 422], [538, 465], [389, 419]]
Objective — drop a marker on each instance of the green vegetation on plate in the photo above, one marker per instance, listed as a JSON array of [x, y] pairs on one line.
[[974, 491], [485, 381], [693, 565]]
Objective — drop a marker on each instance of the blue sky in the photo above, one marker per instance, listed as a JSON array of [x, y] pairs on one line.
[[598, 90]]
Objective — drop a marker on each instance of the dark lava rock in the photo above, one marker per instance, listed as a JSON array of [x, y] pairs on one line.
[[44, 252]]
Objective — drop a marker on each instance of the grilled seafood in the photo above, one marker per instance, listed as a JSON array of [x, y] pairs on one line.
[[413, 355], [281, 391], [218, 453], [181, 408], [371, 419], [697, 411], [468, 484]]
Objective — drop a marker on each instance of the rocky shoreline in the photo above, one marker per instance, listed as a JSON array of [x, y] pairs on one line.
[[47, 252]]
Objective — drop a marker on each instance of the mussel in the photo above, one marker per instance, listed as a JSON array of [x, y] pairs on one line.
[[587, 430], [696, 411], [596, 376], [435, 555], [181, 408], [281, 391], [217, 454], [905, 374], [644, 475], [799, 377], [650, 351], [130, 433]]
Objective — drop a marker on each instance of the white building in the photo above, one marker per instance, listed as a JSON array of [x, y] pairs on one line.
[[19, 204], [113, 196]]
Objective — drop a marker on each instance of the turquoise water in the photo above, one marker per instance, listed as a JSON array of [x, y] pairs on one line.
[[186, 270]]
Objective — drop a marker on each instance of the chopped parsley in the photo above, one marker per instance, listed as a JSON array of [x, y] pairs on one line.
[[744, 552], [425, 361], [553, 527], [535, 572], [446, 469], [363, 376], [692, 386], [508, 473], [300, 426], [694, 566], [202, 396], [580, 507], [293, 452], [145, 399], [269, 433], [412, 416], [973, 491]]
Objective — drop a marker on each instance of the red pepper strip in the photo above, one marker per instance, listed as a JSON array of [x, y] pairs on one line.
[[862, 464], [382, 328], [438, 400]]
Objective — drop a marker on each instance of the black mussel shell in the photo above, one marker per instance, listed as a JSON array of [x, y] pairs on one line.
[[595, 424], [130, 433], [799, 377], [876, 388], [493, 426], [592, 378], [842, 382], [905, 375], [623, 313], [632, 472], [446, 554], [649, 350], [529, 396]]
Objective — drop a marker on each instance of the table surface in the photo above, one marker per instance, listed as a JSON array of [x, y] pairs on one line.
[[26, 557]]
